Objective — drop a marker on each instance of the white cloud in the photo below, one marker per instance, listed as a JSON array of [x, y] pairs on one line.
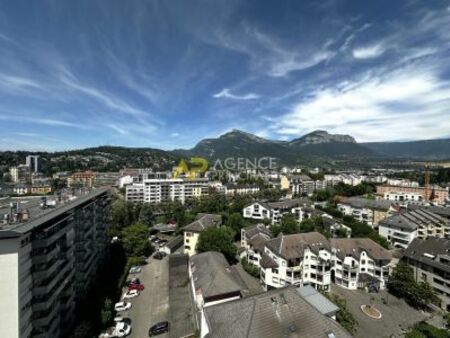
[[175, 134], [368, 52], [401, 105], [225, 93], [118, 129]]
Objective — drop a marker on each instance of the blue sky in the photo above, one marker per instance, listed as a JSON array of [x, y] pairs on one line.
[[166, 74]]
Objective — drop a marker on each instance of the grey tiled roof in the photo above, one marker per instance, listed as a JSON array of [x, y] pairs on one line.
[[213, 275], [429, 251], [277, 313], [254, 230], [266, 262], [359, 202], [204, 221], [294, 246], [354, 247], [412, 218]]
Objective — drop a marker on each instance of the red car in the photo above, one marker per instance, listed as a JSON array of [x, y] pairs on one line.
[[138, 287]]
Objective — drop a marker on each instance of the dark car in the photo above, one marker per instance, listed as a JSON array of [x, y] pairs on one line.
[[159, 255], [158, 328], [132, 281]]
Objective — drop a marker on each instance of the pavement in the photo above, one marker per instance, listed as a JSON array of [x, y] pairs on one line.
[[397, 316], [152, 305]]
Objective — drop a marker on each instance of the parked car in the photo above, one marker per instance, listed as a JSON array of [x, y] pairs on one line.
[[138, 287], [130, 294], [122, 306], [159, 255], [121, 329], [133, 281], [158, 328], [119, 319], [135, 269]]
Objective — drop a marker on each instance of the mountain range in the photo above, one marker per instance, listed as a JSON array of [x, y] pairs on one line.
[[315, 148]]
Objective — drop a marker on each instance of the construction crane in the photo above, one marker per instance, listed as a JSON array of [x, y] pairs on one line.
[[427, 181]]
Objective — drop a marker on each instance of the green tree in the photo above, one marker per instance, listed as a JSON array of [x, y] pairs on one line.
[[236, 222], [107, 312], [402, 284], [135, 240], [218, 239], [146, 215]]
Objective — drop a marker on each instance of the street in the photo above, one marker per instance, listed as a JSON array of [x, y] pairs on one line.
[[152, 305]]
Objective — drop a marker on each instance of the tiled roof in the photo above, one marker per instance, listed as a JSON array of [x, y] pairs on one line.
[[294, 246], [277, 313], [354, 247], [204, 221]]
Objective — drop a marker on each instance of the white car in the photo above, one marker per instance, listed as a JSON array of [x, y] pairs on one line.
[[120, 330], [130, 294], [122, 306], [135, 269]]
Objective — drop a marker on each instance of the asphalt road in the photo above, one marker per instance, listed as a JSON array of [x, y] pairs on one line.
[[152, 305]]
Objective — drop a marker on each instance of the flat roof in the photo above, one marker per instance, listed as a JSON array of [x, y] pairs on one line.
[[38, 215]]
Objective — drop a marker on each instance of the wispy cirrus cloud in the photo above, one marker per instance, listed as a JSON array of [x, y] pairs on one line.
[[368, 52], [226, 93]]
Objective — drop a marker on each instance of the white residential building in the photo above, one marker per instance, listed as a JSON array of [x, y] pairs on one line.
[[241, 189], [359, 262], [401, 229], [366, 210], [156, 191], [298, 259], [311, 259], [192, 231], [404, 198], [253, 240], [274, 211]]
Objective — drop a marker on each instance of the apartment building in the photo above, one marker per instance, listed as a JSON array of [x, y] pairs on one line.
[[436, 194], [430, 261], [49, 254], [162, 190], [32, 162], [400, 230], [366, 210], [404, 198], [349, 179], [298, 259], [84, 179], [192, 231], [253, 240], [359, 262], [301, 184], [274, 211], [20, 174], [311, 259], [241, 189]]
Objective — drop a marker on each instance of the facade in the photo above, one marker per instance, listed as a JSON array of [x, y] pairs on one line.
[[253, 240], [21, 189], [403, 197], [349, 179], [366, 210], [359, 262], [48, 258], [20, 174], [236, 189], [84, 179], [32, 162], [310, 259], [430, 261], [192, 231], [156, 191], [274, 211], [401, 229], [436, 194], [301, 184], [298, 259]]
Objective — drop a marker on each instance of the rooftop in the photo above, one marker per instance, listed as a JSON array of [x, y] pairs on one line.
[[293, 246], [360, 202], [35, 212], [355, 246], [316, 299], [413, 218], [430, 252], [204, 221], [277, 313]]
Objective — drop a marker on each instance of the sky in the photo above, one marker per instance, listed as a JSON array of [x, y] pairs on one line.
[[167, 74]]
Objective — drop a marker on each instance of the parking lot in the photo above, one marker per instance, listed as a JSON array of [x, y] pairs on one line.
[[397, 315], [152, 305]]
